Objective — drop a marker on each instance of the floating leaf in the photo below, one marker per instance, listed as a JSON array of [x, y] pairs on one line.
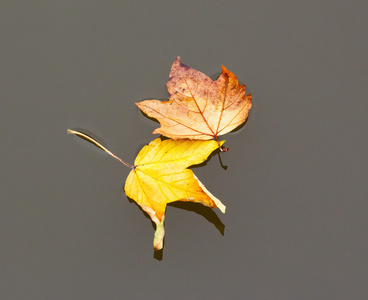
[[160, 176], [199, 108]]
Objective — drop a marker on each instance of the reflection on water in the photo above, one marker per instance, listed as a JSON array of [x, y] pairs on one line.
[[158, 254], [206, 212]]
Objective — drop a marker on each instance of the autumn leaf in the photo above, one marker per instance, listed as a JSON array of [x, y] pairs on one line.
[[199, 108], [160, 176]]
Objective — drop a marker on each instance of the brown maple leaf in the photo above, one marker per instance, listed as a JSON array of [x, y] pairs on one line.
[[198, 107]]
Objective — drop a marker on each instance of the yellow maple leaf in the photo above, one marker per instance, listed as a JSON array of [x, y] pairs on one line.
[[160, 176], [199, 108]]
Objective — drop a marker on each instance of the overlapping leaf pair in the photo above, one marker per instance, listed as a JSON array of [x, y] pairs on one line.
[[197, 111]]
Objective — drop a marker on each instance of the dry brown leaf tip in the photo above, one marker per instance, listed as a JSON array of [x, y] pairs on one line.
[[198, 107]]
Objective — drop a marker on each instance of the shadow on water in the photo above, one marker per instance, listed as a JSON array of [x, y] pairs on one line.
[[216, 152], [241, 126], [206, 212], [157, 254], [91, 135], [220, 161]]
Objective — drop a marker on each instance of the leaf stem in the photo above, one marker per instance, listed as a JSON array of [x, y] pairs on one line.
[[222, 149], [90, 139]]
